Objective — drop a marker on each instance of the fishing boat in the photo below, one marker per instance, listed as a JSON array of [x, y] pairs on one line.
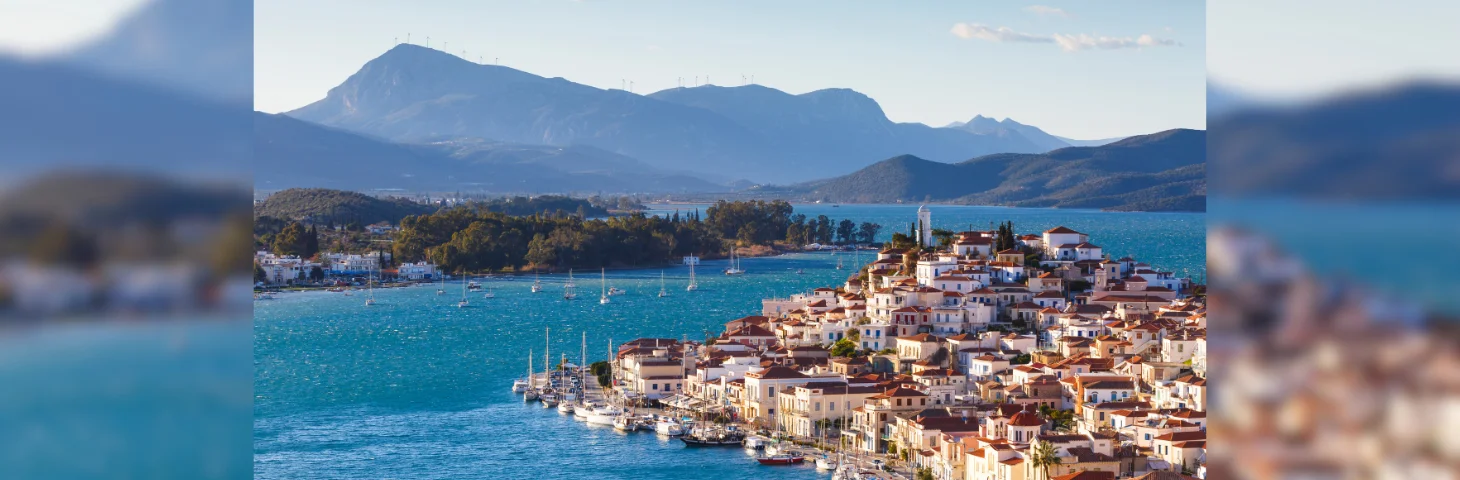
[[569, 289], [782, 459], [734, 268], [603, 299], [536, 282], [662, 292], [693, 285]]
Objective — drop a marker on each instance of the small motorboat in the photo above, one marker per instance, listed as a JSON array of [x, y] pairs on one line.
[[822, 463], [565, 408], [519, 385], [782, 459]]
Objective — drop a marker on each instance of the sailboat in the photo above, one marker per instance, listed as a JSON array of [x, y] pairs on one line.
[[734, 268], [662, 292], [442, 290], [370, 283], [603, 300], [693, 285], [536, 282], [530, 393], [568, 288], [489, 293], [521, 385], [838, 262], [464, 281]]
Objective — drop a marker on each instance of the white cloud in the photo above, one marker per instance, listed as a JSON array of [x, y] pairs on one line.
[[1001, 34], [1067, 42], [1046, 11]]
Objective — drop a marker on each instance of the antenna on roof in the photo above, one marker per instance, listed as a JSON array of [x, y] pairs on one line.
[[697, 80], [752, 79], [408, 37], [495, 62], [428, 41]]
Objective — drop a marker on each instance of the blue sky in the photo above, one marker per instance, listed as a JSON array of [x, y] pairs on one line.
[[1077, 69]]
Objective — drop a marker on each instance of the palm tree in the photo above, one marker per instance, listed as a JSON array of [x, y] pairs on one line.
[[1044, 455]]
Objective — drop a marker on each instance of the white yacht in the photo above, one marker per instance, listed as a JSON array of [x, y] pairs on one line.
[[464, 286], [693, 285], [734, 268], [603, 300], [569, 289], [565, 408], [519, 385], [605, 415]]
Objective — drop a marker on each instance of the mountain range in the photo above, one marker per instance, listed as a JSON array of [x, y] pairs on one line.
[[293, 153], [1160, 171], [1397, 142], [412, 94]]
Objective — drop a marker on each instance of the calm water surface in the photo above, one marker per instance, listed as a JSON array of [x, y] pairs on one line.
[[417, 388]]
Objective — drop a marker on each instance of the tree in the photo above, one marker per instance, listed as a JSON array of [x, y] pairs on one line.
[[823, 229], [258, 273], [944, 237], [311, 243], [316, 274], [844, 231], [868, 232], [925, 474], [843, 348], [290, 240], [1044, 455]]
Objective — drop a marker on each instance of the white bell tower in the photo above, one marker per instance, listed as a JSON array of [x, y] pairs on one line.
[[925, 226]]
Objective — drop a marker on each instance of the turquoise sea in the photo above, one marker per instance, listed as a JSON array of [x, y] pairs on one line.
[[417, 388]]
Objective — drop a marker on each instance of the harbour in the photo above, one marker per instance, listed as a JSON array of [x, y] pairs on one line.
[[415, 387]]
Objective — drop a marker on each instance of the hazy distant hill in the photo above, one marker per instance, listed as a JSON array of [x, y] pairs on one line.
[[293, 153], [1010, 128], [1396, 143], [58, 115], [412, 93], [201, 47], [1161, 171]]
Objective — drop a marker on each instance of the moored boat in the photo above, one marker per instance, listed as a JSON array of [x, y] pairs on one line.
[[565, 408], [782, 459], [668, 427]]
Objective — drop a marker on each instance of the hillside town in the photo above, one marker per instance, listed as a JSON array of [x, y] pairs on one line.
[[1046, 359]]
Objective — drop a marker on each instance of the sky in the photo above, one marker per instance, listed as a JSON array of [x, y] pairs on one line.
[[1083, 70], [1300, 49]]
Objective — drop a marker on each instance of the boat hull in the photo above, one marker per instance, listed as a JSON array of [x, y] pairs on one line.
[[793, 460]]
